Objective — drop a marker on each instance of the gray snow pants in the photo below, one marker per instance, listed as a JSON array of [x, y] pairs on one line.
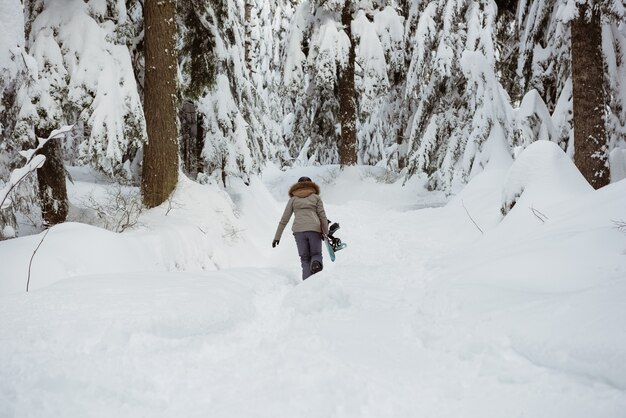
[[309, 248]]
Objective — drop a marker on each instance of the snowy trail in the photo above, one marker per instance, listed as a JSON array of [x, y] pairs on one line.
[[383, 332]]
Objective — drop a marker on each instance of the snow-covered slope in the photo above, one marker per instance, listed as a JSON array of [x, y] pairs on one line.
[[422, 315]]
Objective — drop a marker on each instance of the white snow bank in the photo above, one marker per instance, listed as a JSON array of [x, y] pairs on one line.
[[548, 286], [70, 249], [542, 175], [197, 229], [476, 207]]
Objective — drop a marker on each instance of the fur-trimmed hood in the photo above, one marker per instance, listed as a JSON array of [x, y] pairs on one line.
[[304, 189]]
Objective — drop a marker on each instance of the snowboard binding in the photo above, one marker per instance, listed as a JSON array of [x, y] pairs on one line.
[[335, 242]]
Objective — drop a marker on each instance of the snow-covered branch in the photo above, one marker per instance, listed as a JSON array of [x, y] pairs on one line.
[[33, 162]]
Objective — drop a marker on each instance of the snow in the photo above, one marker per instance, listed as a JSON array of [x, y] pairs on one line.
[[192, 313], [82, 67], [33, 162], [542, 173], [11, 18]]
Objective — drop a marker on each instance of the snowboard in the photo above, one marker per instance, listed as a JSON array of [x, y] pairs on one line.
[[333, 245]]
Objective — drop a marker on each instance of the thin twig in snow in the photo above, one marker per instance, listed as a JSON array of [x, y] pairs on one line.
[[33, 256], [470, 216], [172, 203], [543, 218], [620, 225]]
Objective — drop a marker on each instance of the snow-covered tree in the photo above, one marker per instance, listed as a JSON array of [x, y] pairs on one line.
[[614, 49], [267, 26], [542, 49], [379, 79], [240, 130], [12, 73], [197, 73], [316, 46], [84, 63], [319, 80], [462, 114]]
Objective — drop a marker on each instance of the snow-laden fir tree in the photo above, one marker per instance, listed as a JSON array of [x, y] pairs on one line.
[[267, 23], [317, 46], [339, 61], [381, 67], [614, 48], [82, 54], [12, 75], [462, 115], [542, 49], [238, 135], [197, 72]]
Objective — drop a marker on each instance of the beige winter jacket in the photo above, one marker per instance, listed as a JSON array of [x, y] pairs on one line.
[[306, 204]]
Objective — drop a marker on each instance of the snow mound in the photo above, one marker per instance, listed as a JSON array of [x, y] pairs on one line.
[[542, 175]]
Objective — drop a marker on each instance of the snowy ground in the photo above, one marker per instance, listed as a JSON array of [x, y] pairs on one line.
[[421, 316]]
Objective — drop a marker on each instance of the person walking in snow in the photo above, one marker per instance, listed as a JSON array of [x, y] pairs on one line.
[[309, 224]]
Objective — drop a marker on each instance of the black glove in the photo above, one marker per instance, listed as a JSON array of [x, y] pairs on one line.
[[275, 243]]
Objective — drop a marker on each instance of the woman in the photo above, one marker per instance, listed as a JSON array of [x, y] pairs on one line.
[[309, 224]]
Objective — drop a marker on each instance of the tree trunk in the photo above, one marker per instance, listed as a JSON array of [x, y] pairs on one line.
[[188, 117], [347, 97], [51, 179], [160, 153], [590, 150], [248, 40], [199, 142]]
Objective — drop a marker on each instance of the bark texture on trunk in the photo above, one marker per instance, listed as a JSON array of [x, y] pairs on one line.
[[160, 156], [248, 40], [347, 97], [590, 148], [51, 179], [191, 139]]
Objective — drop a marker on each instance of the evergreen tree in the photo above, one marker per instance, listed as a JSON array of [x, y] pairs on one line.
[[544, 52], [82, 53], [380, 82], [12, 73], [160, 155], [266, 32], [319, 84], [462, 115], [197, 76], [614, 49], [317, 44], [237, 116]]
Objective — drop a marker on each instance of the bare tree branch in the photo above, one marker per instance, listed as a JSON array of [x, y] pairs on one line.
[[470, 216], [543, 218], [33, 256]]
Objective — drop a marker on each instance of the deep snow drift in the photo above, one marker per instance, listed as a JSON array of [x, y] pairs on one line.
[[192, 313]]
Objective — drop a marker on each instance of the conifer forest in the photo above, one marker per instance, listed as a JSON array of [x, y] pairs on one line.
[[219, 88]]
